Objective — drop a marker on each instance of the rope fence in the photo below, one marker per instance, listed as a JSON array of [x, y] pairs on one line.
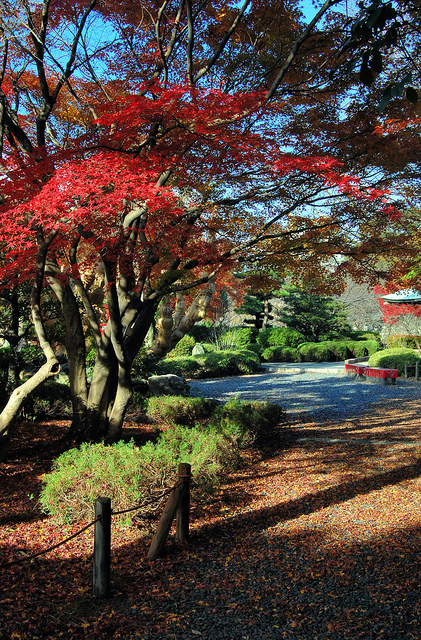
[[178, 505]]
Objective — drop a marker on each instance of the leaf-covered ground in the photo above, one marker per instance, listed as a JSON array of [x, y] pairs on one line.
[[321, 541]]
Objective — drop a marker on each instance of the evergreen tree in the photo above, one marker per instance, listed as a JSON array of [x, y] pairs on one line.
[[317, 317]]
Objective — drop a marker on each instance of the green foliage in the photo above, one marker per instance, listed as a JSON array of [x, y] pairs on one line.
[[32, 354], [203, 332], [255, 348], [183, 347], [80, 475], [244, 421], [142, 365], [316, 352], [285, 337], [263, 338], [211, 365], [316, 317], [250, 421], [172, 410], [394, 359], [405, 341], [186, 367], [362, 348], [234, 339], [128, 474], [49, 399], [281, 354]]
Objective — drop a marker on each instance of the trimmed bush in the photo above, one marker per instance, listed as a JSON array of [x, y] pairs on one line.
[[281, 354], [249, 422], [362, 348], [172, 410], [263, 338], [339, 349], [186, 367], [394, 359], [316, 352], [211, 365], [285, 337]]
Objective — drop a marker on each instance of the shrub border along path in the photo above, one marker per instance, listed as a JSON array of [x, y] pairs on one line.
[[320, 541]]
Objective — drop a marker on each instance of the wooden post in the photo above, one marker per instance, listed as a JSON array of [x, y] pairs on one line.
[[406, 369], [183, 513], [164, 524], [417, 370], [102, 548]]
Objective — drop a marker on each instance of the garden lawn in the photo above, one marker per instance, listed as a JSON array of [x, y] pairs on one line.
[[319, 541]]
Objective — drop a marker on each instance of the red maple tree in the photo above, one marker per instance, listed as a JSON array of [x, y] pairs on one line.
[[148, 165]]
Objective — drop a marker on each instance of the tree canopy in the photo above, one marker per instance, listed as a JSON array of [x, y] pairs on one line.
[[147, 149]]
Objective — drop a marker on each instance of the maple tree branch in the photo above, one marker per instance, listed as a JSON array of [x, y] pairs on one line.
[[35, 298], [87, 304], [224, 41], [296, 47], [190, 41]]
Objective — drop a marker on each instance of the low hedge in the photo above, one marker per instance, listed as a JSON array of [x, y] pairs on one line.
[[211, 365], [281, 354], [394, 359]]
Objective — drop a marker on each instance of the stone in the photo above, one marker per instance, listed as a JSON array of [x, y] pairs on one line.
[[167, 385], [198, 350]]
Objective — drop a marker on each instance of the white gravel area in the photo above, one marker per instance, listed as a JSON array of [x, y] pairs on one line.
[[312, 396]]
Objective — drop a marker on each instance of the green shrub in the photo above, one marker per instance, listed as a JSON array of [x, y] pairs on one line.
[[186, 367], [281, 354], [203, 332], [49, 399], [394, 359], [234, 339], [316, 352], [129, 475], [285, 337], [183, 347], [248, 421], [32, 354], [263, 338], [339, 349], [362, 348], [254, 347], [211, 365], [79, 476], [242, 422], [171, 410]]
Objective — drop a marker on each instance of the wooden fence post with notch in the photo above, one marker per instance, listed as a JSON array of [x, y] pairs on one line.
[[102, 548], [164, 524]]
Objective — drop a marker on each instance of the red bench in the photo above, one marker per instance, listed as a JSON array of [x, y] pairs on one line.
[[372, 374]]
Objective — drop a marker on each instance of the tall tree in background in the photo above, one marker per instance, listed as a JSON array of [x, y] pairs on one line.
[[316, 317], [146, 152]]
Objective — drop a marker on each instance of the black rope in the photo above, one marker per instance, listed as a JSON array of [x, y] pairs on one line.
[[54, 546]]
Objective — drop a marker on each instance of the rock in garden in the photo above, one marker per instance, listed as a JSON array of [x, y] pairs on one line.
[[198, 350], [168, 385]]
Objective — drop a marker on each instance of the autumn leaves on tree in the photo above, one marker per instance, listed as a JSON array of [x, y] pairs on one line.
[[147, 149]]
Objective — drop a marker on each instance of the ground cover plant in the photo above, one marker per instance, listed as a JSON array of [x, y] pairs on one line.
[[330, 529]]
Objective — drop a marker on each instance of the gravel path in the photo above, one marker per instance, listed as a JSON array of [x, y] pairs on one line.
[[308, 395]]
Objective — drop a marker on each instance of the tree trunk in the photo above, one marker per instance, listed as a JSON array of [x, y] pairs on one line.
[[10, 411], [75, 347]]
